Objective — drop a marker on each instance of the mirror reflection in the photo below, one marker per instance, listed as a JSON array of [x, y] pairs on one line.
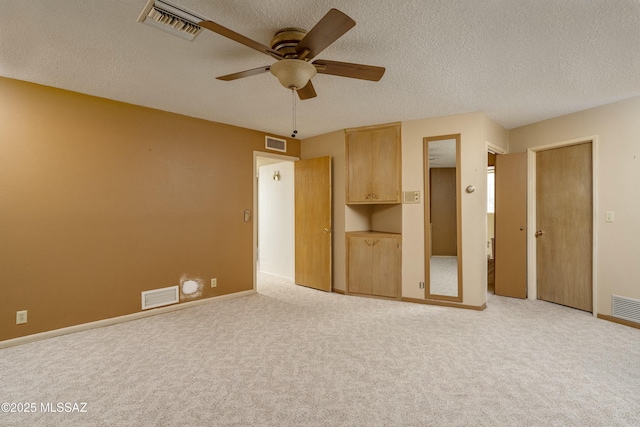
[[442, 214]]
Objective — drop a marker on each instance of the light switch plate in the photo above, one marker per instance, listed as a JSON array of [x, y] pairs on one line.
[[608, 216]]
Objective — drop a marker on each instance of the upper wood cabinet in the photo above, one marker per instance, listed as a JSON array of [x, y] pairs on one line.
[[373, 160]]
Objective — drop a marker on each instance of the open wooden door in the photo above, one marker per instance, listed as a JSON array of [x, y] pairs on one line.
[[313, 223], [511, 225], [564, 217]]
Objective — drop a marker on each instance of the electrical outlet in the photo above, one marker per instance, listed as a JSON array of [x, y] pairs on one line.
[[214, 282], [21, 317]]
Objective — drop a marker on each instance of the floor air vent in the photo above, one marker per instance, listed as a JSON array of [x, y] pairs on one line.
[[625, 308], [171, 18], [160, 297]]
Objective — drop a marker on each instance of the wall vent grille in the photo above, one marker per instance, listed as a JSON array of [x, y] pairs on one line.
[[160, 297], [171, 18], [275, 144], [625, 308]]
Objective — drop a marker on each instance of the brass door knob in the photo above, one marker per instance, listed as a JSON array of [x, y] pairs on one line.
[[539, 233]]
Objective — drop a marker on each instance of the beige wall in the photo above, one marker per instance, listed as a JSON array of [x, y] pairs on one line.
[[101, 200], [617, 157], [476, 130]]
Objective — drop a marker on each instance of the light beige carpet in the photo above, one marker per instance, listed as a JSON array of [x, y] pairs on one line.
[[291, 356]]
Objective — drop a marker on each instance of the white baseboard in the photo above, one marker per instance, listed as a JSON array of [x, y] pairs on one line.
[[114, 320]]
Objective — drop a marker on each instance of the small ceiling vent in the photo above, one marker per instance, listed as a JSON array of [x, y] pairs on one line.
[[275, 144], [171, 18]]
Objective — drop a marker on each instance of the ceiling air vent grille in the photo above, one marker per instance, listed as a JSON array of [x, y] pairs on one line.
[[275, 144], [171, 18]]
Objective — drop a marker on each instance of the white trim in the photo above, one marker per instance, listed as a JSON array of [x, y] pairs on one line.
[[257, 154], [115, 320], [531, 213]]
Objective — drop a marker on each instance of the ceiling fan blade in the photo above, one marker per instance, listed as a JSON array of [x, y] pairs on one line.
[[230, 34], [307, 91], [329, 29], [346, 69], [243, 74]]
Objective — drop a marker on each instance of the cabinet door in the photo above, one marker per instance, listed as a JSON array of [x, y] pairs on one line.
[[386, 266], [360, 167], [385, 146], [360, 257]]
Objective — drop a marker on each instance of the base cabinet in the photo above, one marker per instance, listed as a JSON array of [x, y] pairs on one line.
[[373, 264]]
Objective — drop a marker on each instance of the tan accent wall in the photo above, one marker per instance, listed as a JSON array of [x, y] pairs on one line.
[[617, 171], [101, 200]]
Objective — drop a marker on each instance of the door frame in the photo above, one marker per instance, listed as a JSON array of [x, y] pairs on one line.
[[255, 214], [532, 275]]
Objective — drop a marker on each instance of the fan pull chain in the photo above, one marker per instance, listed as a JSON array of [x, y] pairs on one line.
[[293, 96]]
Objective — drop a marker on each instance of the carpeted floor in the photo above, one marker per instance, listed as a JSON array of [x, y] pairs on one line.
[[291, 356]]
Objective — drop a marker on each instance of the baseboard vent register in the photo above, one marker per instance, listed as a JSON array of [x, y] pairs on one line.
[[625, 308], [160, 297], [275, 144], [171, 18]]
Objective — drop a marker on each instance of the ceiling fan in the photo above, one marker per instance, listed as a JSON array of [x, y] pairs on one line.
[[294, 48]]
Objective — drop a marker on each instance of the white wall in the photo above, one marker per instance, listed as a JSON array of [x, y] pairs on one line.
[[276, 220], [617, 173]]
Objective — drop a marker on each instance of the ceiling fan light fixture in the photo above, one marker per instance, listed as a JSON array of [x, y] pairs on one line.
[[293, 73]]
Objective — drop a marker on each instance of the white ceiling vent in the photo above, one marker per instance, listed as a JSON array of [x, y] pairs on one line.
[[171, 18], [275, 144]]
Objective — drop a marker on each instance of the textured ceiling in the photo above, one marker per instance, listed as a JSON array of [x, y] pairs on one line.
[[517, 61]]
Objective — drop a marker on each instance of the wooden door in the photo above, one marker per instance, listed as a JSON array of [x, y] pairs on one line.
[[313, 223], [511, 225], [359, 167], [564, 221], [386, 266], [442, 183], [386, 164], [360, 258]]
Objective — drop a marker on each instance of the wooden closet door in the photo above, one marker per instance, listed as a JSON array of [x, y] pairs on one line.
[[564, 221]]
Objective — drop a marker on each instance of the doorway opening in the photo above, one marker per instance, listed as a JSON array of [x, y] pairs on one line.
[[274, 253], [491, 222]]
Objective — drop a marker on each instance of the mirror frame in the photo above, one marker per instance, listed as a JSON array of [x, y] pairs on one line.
[[427, 219]]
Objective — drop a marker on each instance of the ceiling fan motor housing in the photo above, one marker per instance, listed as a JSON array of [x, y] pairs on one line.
[[286, 40]]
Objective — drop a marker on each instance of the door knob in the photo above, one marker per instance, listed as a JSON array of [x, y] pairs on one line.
[[539, 233], [326, 230]]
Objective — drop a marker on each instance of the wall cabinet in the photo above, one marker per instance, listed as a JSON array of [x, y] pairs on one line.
[[374, 264], [373, 160]]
